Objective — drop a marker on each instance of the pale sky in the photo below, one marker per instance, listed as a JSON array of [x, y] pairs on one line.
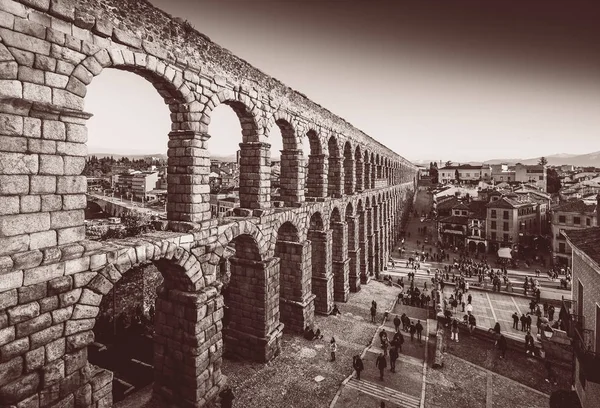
[[429, 82]]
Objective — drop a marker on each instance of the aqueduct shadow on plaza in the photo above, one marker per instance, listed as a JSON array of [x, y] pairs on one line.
[[283, 260]]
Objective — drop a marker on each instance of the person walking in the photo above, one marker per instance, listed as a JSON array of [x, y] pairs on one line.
[[381, 364], [472, 323], [529, 346], [419, 329], [373, 312], [397, 323], [332, 348], [528, 322], [398, 341], [412, 330], [358, 366], [523, 322], [515, 317], [454, 330], [393, 358]]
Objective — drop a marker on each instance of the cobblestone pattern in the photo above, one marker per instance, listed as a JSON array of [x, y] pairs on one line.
[[52, 281]]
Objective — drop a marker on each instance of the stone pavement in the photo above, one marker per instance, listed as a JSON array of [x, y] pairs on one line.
[[491, 307], [403, 389]]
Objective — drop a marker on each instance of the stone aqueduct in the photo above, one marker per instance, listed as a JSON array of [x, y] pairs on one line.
[[291, 258]]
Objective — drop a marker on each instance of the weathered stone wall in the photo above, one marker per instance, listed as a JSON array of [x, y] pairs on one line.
[[52, 282]]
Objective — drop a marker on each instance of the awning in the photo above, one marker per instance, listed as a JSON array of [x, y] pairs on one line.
[[504, 253]]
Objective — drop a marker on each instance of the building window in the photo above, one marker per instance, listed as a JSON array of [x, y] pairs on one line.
[[576, 220], [561, 247], [505, 215], [493, 236], [541, 177], [493, 226], [562, 219], [493, 213], [588, 222], [505, 237], [505, 226]]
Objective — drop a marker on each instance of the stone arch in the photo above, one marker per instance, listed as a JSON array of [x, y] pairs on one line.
[[291, 178], [335, 175], [320, 238], [339, 255], [232, 232], [80, 306], [296, 298], [358, 168], [367, 171], [245, 109], [373, 169], [298, 222], [185, 119], [316, 184], [348, 169], [335, 215], [377, 166], [253, 288]]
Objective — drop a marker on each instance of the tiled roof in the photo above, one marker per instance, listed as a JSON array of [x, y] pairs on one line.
[[478, 208], [447, 204], [576, 206], [460, 206], [455, 219], [505, 202], [587, 240]]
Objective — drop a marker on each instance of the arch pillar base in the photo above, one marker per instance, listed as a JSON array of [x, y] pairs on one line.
[[341, 287], [298, 314], [251, 327], [354, 270]]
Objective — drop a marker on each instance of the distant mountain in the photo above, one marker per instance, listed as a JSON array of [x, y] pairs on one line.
[[129, 156], [578, 160]]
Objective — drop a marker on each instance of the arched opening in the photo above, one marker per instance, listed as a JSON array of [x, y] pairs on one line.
[[126, 166], [472, 246], [339, 255], [348, 169], [481, 247], [316, 179], [296, 298], [322, 278], [367, 171], [335, 176], [124, 331], [287, 167], [354, 253], [373, 170], [358, 167], [251, 303], [232, 146]]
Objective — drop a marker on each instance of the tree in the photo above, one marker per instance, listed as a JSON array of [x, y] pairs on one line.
[[433, 173], [449, 163], [553, 184], [457, 175], [543, 161]]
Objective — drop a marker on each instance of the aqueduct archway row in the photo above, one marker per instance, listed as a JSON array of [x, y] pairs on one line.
[[49, 298], [52, 280]]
